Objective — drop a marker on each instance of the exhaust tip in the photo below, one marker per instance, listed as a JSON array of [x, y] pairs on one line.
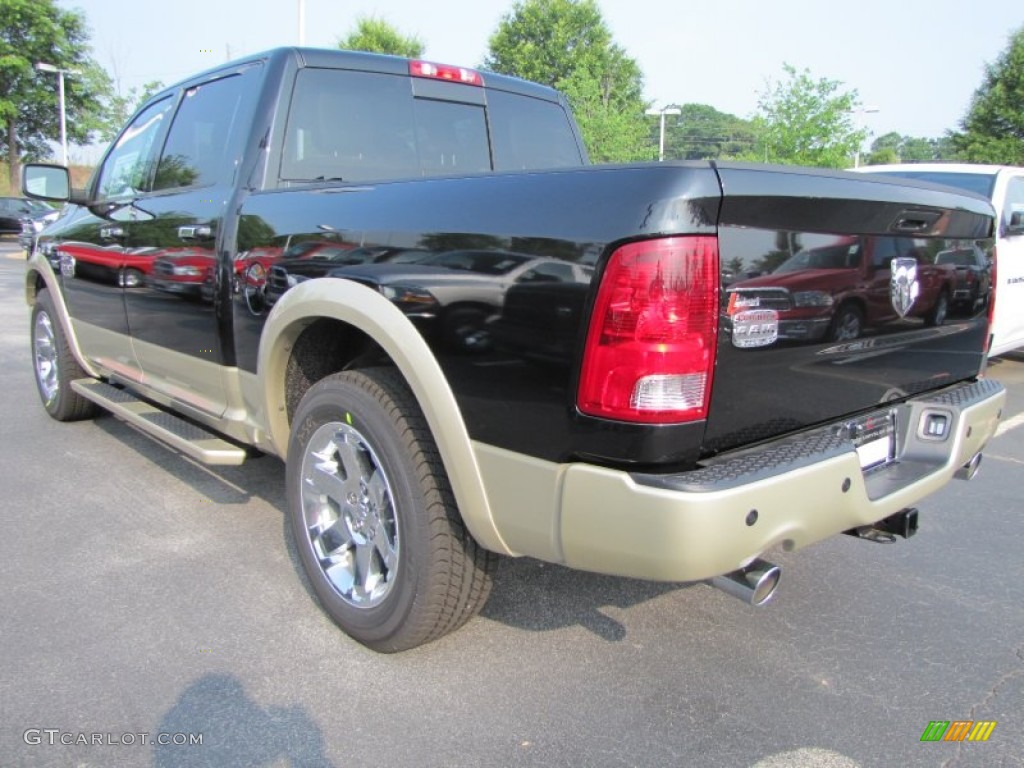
[[755, 584], [970, 469]]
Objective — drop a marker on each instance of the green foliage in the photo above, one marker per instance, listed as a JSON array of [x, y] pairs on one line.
[[701, 132], [893, 147], [122, 107], [803, 121], [378, 36], [39, 30], [567, 45], [993, 129]]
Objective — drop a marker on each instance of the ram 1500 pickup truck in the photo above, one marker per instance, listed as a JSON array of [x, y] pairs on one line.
[[840, 290], [405, 281], [993, 274]]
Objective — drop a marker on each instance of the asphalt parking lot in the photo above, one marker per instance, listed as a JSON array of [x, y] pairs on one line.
[[147, 598]]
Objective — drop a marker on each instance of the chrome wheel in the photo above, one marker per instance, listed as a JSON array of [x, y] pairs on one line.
[[44, 348], [349, 514], [847, 326]]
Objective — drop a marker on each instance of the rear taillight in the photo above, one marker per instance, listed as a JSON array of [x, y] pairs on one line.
[[445, 72], [650, 349]]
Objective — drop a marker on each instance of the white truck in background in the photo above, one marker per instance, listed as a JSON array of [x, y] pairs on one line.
[[1003, 185]]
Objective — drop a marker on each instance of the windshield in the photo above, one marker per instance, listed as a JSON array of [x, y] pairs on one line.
[[483, 262], [843, 256]]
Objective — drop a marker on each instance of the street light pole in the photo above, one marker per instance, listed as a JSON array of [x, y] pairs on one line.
[[661, 140], [862, 111], [42, 66]]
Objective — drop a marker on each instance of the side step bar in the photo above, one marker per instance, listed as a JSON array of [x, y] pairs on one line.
[[201, 444]]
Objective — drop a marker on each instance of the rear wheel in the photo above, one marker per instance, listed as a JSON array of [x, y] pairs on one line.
[[55, 366], [373, 515]]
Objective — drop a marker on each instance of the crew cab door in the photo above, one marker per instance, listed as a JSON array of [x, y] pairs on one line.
[[87, 247], [173, 313]]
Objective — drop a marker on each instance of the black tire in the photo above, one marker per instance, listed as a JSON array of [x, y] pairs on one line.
[[367, 423], [937, 314], [464, 330], [848, 323], [55, 366]]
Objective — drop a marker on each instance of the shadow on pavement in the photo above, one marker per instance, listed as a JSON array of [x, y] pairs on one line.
[[236, 731]]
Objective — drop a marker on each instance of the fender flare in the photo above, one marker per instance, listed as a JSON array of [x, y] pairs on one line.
[[40, 267], [366, 310]]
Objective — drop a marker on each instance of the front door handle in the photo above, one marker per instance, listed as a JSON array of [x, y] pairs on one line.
[[111, 233], [195, 232]]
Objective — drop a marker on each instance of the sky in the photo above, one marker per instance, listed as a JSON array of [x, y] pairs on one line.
[[917, 62]]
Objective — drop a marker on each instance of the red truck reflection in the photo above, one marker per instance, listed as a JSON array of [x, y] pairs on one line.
[[835, 292]]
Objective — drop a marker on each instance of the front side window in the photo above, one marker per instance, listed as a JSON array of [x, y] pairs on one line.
[[126, 169], [199, 143]]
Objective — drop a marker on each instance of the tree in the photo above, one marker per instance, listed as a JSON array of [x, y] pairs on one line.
[[378, 36], [701, 132], [123, 106], [567, 45], [993, 129], [804, 121], [893, 147], [33, 31]]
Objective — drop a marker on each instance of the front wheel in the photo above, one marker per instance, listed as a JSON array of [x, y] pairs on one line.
[[55, 365], [848, 323], [373, 515]]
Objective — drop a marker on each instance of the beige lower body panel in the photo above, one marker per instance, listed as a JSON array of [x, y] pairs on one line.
[[603, 520]]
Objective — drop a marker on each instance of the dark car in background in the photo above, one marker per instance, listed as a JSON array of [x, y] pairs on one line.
[[24, 217]]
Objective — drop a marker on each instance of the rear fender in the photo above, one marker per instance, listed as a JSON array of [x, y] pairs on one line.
[[368, 311]]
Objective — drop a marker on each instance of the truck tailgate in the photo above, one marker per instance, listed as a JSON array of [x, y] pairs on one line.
[[832, 302]]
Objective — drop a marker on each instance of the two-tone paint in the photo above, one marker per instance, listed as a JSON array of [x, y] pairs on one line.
[[503, 412]]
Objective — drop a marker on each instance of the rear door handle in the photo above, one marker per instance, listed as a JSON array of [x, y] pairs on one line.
[[195, 232]]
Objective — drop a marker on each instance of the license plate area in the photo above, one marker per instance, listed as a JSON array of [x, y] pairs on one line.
[[874, 437]]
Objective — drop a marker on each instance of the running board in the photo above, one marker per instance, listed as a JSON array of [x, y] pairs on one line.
[[192, 440]]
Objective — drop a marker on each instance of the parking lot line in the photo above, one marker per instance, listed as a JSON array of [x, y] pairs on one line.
[[1009, 424]]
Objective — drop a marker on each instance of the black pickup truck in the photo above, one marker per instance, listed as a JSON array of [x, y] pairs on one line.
[[405, 281]]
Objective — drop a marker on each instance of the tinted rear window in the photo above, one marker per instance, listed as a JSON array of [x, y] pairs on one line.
[[530, 133], [363, 126], [978, 183]]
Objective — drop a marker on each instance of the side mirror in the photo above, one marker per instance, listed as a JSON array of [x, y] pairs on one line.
[[1016, 225], [46, 182]]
